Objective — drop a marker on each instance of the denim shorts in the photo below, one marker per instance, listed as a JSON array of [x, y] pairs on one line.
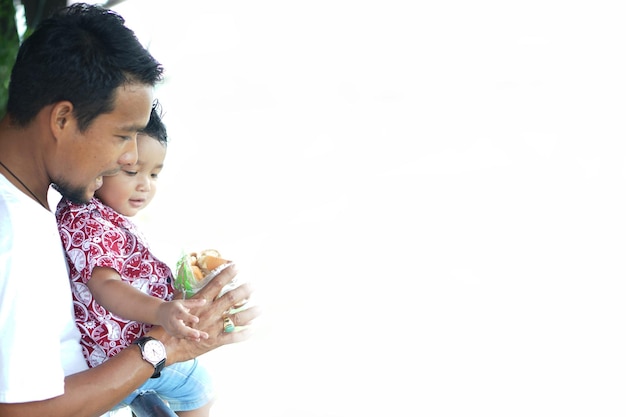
[[185, 386]]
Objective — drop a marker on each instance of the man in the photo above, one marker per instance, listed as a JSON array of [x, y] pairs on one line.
[[80, 90]]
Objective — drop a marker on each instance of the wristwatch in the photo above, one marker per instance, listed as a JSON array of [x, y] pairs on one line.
[[152, 351]]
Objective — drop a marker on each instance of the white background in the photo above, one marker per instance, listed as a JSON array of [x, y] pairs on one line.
[[430, 198]]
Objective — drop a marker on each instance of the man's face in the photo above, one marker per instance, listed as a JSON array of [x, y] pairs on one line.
[[109, 143]]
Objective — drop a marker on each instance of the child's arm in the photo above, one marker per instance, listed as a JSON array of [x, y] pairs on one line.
[[128, 302]]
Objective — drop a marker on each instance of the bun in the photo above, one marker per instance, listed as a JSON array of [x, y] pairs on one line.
[[197, 272], [205, 263]]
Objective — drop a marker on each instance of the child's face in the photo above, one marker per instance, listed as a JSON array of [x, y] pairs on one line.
[[132, 189]]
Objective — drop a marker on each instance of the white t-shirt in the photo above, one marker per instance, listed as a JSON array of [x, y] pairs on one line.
[[39, 341]]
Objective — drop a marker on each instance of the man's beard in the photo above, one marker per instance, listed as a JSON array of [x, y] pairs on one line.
[[75, 194]]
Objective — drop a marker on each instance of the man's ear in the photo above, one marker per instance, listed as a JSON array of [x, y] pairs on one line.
[[61, 117]]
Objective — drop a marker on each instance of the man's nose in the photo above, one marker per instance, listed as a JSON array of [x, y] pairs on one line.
[[130, 155]]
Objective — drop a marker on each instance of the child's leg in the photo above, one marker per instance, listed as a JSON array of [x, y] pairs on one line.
[[187, 388], [198, 412]]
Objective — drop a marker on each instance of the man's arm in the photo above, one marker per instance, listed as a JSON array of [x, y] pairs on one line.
[[92, 392], [95, 391]]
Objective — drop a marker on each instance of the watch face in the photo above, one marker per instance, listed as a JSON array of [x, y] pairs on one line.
[[153, 351]]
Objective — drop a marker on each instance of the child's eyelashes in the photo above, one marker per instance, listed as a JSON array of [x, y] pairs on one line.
[[133, 173]]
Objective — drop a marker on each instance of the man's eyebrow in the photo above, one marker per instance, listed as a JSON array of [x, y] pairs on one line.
[[133, 128]]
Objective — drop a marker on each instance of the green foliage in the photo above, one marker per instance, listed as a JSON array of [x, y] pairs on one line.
[[9, 44]]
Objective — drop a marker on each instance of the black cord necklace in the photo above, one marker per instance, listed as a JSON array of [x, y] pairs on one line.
[[23, 185]]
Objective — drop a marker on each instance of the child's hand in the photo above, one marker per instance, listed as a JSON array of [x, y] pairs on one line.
[[175, 318]]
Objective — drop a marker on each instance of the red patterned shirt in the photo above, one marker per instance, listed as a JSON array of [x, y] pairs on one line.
[[95, 235]]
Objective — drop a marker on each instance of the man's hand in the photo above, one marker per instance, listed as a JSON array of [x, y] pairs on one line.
[[211, 313]]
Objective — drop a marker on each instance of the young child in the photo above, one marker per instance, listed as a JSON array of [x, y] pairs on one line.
[[120, 288]]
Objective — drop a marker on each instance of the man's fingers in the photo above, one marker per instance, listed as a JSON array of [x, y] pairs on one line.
[[213, 288], [244, 317], [193, 302]]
